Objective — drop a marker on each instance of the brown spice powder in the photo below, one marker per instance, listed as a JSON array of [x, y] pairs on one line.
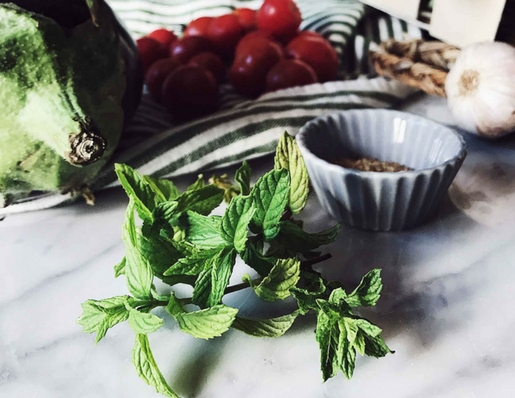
[[370, 164]]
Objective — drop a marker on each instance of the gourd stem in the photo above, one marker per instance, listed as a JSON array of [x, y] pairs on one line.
[[87, 146]]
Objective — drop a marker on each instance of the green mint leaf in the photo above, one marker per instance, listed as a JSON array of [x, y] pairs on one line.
[[165, 190], [346, 355], [315, 285], [205, 232], [165, 215], [338, 300], [343, 348], [158, 296], [223, 182], [193, 264], [168, 222], [160, 252], [220, 275], [327, 335], [119, 269], [208, 323], [179, 235], [306, 297], [277, 249], [211, 283], [202, 288], [288, 157], [242, 178], [354, 334], [273, 327], [203, 200], [236, 220], [327, 308], [174, 306], [338, 339], [100, 315], [138, 271], [368, 291], [295, 239], [351, 328], [200, 183], [359, 343], [147, 368], [263, 265], [368, 328], [276, 286], [376, 347], [143, 322], [270, 198], [137, 189]]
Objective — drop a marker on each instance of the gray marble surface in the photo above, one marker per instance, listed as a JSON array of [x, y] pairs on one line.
[[447, 308]]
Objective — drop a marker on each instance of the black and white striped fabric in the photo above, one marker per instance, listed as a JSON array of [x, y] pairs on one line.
[[242, 128]]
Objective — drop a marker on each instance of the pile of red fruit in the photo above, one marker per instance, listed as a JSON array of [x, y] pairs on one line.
[[257, 51]]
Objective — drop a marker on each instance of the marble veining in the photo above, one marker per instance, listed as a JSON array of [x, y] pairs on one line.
[[447, 309]]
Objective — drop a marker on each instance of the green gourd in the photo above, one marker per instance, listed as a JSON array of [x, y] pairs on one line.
[[69, 80]]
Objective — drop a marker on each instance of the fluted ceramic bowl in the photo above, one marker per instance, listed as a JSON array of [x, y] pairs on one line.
[[380, 201]]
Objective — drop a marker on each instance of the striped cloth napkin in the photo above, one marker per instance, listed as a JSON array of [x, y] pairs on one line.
[[244, 129]]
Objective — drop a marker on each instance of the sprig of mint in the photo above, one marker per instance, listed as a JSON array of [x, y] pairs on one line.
[[180, 242]]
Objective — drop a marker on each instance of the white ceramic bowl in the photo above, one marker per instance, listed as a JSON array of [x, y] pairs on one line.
[[380, 201]]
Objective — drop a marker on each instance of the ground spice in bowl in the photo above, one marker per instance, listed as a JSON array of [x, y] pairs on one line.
[[370, 164]]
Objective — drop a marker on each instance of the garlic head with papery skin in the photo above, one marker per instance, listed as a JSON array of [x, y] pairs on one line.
[[480, 89]]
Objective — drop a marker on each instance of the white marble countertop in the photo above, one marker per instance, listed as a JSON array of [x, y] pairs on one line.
[[447, 307]]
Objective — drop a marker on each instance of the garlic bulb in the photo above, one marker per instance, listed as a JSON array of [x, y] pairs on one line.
[[480, 89]]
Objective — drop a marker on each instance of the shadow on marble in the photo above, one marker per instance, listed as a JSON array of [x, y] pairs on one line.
[[195, 370], [405, 307], [200, 365], [484, 189], [404, 304]]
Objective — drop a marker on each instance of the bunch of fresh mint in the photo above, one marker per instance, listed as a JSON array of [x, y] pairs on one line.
[[179, 242]]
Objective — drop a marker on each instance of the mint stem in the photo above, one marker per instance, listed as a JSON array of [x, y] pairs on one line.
[[189, 300], [235, 288], [149, 305], [243, 285], [230, 289], [308, 264], [305, 266]]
